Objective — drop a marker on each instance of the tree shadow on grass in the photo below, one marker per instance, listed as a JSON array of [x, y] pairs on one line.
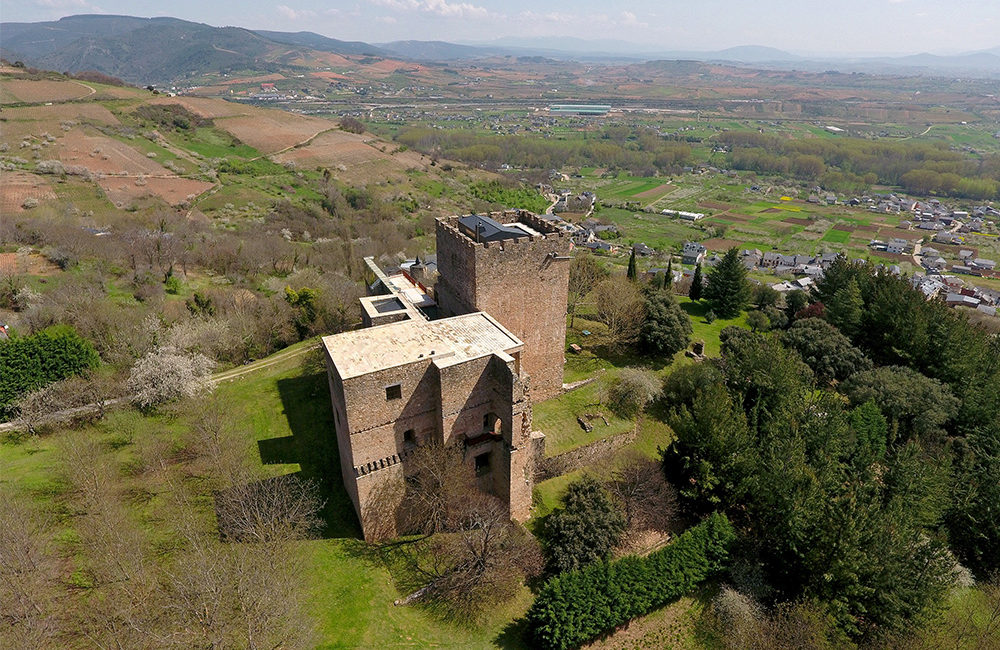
[[695, 309], [313, 446]]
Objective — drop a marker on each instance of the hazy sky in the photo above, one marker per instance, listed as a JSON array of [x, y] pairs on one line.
[[801, 26]]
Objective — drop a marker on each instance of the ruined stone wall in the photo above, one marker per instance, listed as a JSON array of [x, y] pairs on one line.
[[597, 452], [341, 430], [522, 283]]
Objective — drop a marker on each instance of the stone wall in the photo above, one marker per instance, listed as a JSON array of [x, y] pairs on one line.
[[522, 283], [595, 453]]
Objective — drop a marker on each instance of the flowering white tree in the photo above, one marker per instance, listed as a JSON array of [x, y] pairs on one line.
[[166, 374]]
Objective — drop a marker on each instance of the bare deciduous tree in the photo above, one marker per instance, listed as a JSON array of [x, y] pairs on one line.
[[279, 508], [438, 483], [649, 501], [485, 560], [620, 307], [29, 577]]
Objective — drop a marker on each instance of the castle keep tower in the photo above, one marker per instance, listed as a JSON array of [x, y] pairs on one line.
[[411, 382], [513, 265]]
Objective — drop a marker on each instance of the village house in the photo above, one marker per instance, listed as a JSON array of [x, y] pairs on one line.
[[692, 253]]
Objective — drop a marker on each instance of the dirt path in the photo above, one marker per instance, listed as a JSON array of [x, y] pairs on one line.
[[298, 144], [218, 378], [90, 88], [266, 362]]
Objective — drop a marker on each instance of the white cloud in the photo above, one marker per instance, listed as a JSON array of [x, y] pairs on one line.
[[388, 20], [70, 5], [293, 14], [628, 19], [441, 8]]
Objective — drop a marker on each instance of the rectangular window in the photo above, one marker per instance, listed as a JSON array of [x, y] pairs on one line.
[[483, 464], [394, 392]]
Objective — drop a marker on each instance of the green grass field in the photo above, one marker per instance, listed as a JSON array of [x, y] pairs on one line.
[[837, 236], [283, 414]]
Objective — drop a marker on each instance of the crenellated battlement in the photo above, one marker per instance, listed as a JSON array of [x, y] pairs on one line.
[[547, 232]]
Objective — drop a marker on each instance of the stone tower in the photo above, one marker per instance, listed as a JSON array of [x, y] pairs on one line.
[[513, 265]]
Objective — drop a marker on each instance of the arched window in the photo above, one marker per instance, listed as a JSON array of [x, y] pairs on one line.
[[491, 423], [409, 438]]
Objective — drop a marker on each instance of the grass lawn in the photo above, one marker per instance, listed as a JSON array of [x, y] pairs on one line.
[[837, 236], [556, 418], [283, 413], [709, 332]]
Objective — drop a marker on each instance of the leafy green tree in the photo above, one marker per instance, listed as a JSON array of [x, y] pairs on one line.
[[712, 457], [697, 284], [824, 349], [795, 301], [871, 433], [916, 406], [757, 320], [587, 527], [667, 328], [974, 517], [632, 273], [728, 289], [306, 300], [838, 275], [846, 307], [765, 296], [682, 386]]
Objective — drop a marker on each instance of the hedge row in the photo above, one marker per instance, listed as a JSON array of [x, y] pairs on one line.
[[31, 362], [578, 606]]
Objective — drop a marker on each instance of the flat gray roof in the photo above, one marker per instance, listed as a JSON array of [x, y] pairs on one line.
[[450, 340]]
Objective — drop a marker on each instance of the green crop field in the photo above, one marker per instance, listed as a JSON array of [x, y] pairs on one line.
[[838, 236]]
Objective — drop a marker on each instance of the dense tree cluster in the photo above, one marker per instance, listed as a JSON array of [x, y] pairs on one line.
[[643, 153], [862, 495], [853, 164]]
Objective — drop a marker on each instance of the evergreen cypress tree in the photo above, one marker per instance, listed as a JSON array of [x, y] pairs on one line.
[[668, 280], [728, 289], [632, 273], [696, 284], [845, 308]]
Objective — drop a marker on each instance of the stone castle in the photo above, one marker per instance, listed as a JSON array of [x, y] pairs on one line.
[[456, 364]]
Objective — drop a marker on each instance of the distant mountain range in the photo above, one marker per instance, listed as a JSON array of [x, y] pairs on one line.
[[159, 50], [164, 50]]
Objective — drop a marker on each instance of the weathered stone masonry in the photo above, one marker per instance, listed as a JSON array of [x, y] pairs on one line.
[[405, 381], [523, 283]]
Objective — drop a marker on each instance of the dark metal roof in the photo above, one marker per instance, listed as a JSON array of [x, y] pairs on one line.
[[482, 229]]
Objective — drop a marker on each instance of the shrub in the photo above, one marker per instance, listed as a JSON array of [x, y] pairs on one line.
[[32, 362], [585, 529], [576, 607], [631, 391], [351, 125]]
